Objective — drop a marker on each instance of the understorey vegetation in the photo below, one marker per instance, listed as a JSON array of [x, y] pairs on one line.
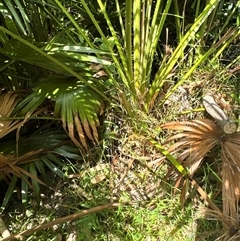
[[119, 120]]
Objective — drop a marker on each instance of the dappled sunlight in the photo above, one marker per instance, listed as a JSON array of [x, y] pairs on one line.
[[111, 105]]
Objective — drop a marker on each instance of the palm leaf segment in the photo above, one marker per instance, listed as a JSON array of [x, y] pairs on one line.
[[8, 102], [231, 175], [195, 140], [22, 161]]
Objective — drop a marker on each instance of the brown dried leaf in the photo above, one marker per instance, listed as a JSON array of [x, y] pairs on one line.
[[204, 125], [8, 102], [195, 140], [94, 131], [87, 130], [188, 143], [70, 130], [80, 132], [231, 176], [4, 160], [180, 126]]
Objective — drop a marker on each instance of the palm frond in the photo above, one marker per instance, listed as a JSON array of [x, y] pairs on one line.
[[8, 103], [231, 176], [197, 138], [78, 105], [45, 149]]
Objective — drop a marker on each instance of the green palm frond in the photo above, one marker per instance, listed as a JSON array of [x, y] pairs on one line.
[[21, 23], [30, 56], [46, 149], [79, 111], [18, 18], [77, 104], [73, 56]]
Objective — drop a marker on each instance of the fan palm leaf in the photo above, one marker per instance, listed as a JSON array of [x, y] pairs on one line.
[[8, 103], [78, 105], [191, 145], [56, 62], [197, 138], [46, 147], [231, 175]]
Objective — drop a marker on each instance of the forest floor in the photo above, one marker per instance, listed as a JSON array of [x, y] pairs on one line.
[[127, 170]]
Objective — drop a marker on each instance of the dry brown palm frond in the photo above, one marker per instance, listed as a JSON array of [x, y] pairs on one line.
[[204, 125], [13, 168], [70, 129], [10, 164], [231, 175], [195, 140], [8, 102], [5, 171], [230, 232]]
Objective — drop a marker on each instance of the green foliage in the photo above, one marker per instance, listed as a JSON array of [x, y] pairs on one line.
[[65, 61], [47, 68], [142, 25], [49, 58], [47, 148]]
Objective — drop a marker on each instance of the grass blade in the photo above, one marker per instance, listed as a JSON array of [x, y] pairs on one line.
[[173, 160], [9, 192]]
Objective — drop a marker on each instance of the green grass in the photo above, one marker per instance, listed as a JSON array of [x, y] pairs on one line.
[[158, 219]]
